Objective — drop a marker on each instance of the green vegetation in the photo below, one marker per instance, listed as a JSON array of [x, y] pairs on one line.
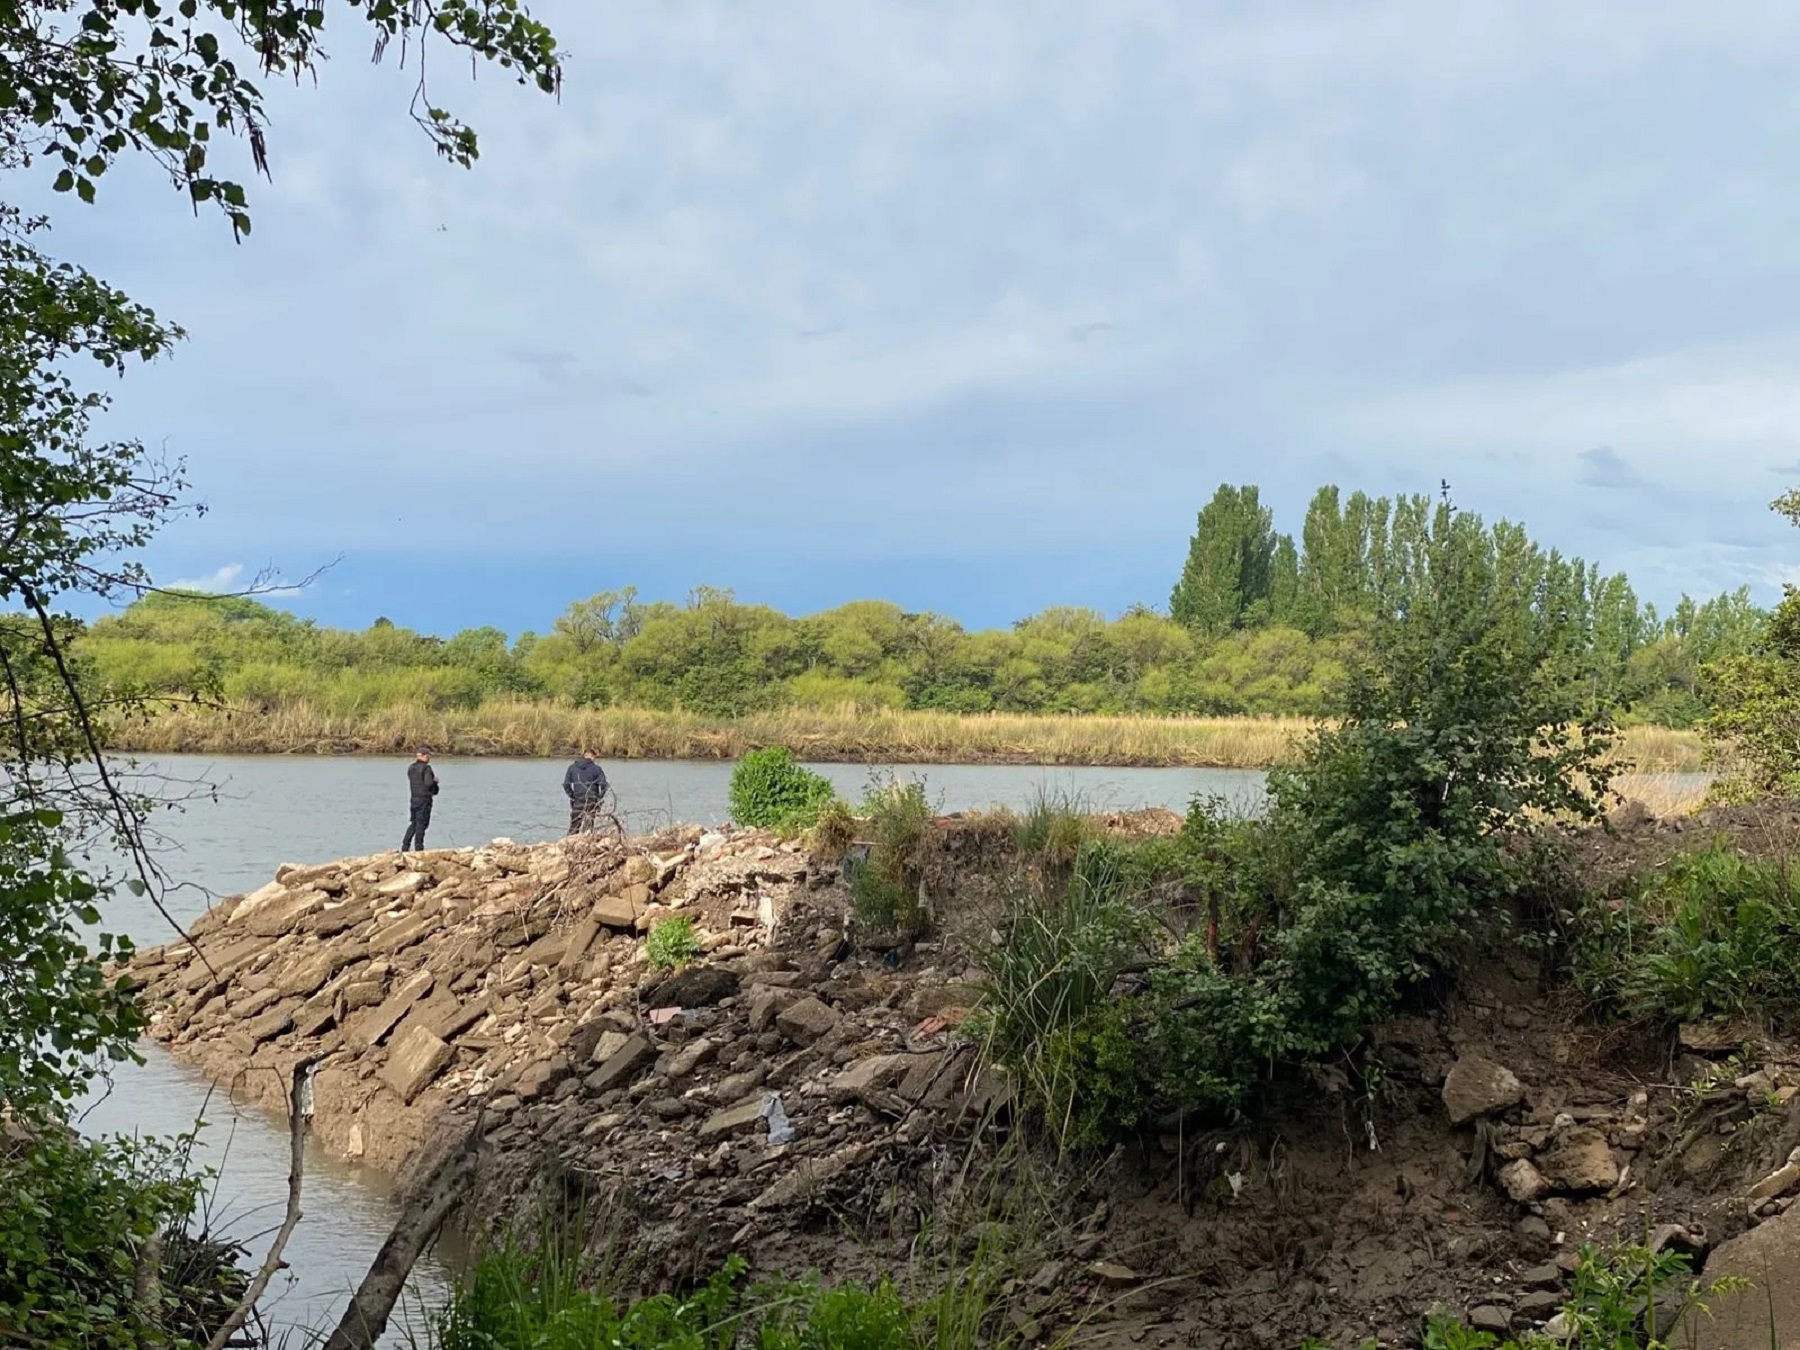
[[887, 893], [672, 943], [1257, 627], [1395, 834], [97, 1246], [1709, 933], [546, 1299], [1624, 1298], [771, 792]]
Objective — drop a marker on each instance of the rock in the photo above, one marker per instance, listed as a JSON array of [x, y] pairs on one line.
[[733, 1119], [1779, 1182], [1764, 1258], [275, 1022], [404, 884], [615, 911], [402, 934], [1714, 1038], [1523, 1183], [767, 1002], [695, 987], [414, 1061], [607, 1044], [1667, 1235], [372, 1026], [1547, 1276], [581, 937], [622, 1065], [807, 1021], [691, 1057], [1488, 1317], [637, 871], [541, 1077], [258, 899], [305, 978], [284, 915], [1537, 1307], [1113, 1275], [1479, 1087], [1580, 1162]]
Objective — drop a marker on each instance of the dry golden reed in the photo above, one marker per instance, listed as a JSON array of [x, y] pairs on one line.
[[848, 734]]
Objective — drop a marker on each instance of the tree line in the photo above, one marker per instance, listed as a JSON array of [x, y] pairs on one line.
[[1256, 624]]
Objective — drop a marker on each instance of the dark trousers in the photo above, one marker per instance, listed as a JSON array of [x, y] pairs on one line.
[[584, 814], [417, 825]]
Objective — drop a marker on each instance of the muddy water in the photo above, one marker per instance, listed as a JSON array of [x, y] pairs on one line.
[[246, 816]]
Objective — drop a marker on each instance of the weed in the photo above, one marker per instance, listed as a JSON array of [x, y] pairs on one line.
[[770, 791], [1710, 933], [672, 943], [887, 889], [1053, 828]]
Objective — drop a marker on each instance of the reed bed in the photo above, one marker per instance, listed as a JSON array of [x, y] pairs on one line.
[[848, 734]]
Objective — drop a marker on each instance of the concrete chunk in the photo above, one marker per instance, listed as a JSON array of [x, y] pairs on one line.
[[622, 1065], [418, 1058], [1479, 1087], [733, 1119], [372, 1027], [807, 1021]]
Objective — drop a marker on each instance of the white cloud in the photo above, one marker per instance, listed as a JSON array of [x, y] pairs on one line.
[[218, 583]]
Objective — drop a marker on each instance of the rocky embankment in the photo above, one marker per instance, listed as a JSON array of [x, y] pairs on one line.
[[511, 985]]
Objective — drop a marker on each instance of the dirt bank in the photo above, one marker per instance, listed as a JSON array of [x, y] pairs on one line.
[[813, 1105]]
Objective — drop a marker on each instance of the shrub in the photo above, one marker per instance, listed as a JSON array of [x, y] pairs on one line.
[[886, 888], [1708, 933], [672, 943], [1053, 828], [770, 791]]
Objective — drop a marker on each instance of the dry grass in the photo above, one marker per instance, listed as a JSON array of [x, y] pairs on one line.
[[850, 734], [1665, 794]]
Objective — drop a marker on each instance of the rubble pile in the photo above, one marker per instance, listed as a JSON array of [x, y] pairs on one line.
[[509, 985]]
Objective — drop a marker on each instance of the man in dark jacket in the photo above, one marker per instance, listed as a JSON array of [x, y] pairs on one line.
[[584, 785], [422, 785]]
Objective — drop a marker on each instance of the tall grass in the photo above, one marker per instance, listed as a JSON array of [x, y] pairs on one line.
[[849, 734]]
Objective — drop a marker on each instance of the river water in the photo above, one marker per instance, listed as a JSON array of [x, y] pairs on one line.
[[243, 817]]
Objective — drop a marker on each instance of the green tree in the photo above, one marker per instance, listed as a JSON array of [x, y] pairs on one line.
[[1230, 565]]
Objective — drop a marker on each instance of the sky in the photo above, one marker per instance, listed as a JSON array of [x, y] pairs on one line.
[[972, 305]]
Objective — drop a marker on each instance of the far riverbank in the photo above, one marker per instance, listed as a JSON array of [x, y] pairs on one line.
[[848, 735]]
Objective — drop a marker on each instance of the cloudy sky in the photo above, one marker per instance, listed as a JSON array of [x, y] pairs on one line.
[[971, 305]]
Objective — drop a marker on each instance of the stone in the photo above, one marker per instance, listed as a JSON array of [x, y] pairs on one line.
[[1491, 1318], [1767, 1312], [637, 871], [275, 1022], [258, 899], [1547, 1276], [1714, 1038], [541, 1077], [622, 1065], [415, 1060], [767, 1002], [691, 1057], [695, 987], [371, 1027], [305, 978], [581, 937], [1779, 1182], [1580, 1161], [616, 911], [807, 1021], [733, 1119], [608, 1044], [1536, 1307], [1523, 1183], [1479, 1087], [336, 919], [286, 914], [402, 934], [1113, 1275], [404, 884]]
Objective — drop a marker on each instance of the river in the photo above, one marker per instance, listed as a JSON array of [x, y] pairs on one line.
[[242, 817]]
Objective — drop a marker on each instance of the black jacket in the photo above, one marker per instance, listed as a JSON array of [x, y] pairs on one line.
[[421, 781], [585, 781]]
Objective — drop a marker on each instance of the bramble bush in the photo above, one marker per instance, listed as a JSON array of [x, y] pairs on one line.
[[770, 791]]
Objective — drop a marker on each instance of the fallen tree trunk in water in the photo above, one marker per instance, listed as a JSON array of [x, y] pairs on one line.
[[367, 1316]]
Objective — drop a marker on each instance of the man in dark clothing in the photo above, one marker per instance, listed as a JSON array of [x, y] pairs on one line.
[[422, 784], [584, 785]]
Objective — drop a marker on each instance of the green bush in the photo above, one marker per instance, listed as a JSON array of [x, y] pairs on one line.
[[1709, 933], [672, 943], [1394, 837], [885, 888], [1053, 828], [770, 791], [76, 1217]]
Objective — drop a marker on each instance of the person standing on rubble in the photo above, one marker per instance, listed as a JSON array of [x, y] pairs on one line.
[[422, 786], [584, 785]]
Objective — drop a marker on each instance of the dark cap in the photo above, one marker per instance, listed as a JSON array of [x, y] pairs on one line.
[[424, 749]]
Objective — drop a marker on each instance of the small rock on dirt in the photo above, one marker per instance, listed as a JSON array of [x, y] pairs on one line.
[[807, 1021], [1479, 1087], [1490, 1317], [1114, 1275], [1523, 1183], [1580, 1162], [415, 1061], [696, 987]]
